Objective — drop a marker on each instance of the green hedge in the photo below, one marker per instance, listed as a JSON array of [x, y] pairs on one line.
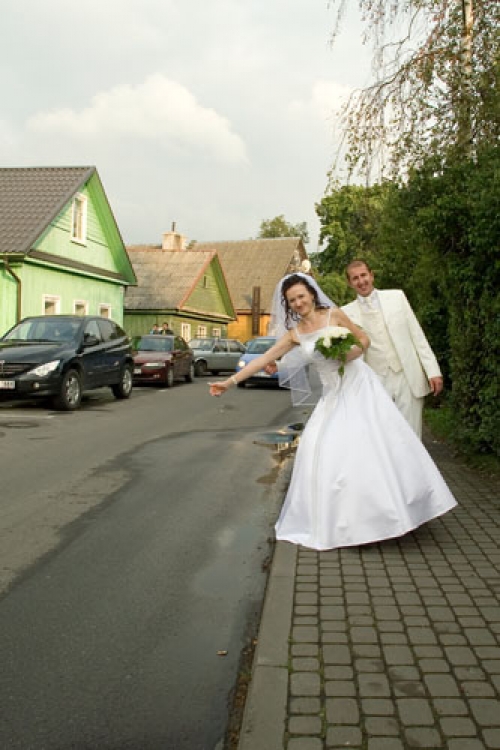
[[450, 263], [437, 236]]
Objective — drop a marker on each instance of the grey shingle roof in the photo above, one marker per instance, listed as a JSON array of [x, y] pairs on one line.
[[250, 263], [164, 277], [30, 198]]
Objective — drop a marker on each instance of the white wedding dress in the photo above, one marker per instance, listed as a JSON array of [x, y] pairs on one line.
[[360, 474]]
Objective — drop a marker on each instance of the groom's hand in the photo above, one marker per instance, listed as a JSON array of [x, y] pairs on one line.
[[436, 385]]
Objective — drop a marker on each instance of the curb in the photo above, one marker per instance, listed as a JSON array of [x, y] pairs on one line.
[[265, 713]]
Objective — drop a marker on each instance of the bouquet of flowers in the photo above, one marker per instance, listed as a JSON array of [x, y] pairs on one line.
[[335, 343]]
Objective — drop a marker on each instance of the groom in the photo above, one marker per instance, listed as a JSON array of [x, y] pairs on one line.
[[399, 353]]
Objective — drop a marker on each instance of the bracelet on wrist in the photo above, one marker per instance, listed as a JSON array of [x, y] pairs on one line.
[[233, 379]]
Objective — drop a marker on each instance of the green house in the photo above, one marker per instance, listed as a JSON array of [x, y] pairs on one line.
[[60, 247], [185, 289]]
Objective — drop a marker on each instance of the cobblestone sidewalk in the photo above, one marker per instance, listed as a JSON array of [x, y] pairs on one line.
[[389, 646]]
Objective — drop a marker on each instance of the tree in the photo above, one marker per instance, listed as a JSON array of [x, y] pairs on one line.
[[279, 227], [437, 83], [336, 287], [433, 115], [350, 217], [439, 238]]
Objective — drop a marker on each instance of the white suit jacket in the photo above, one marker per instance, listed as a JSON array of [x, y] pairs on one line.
[[414, 352]]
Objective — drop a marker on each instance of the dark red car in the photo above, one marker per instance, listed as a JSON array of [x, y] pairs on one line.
[[161, 360]]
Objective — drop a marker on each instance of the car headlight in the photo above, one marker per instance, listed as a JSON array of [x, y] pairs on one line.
[[154, 365], [45, 369], [241, 363]]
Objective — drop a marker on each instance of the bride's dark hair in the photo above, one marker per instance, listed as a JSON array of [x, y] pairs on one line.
[[290, 281]]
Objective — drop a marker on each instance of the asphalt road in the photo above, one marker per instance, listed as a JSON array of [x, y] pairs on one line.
[[133, 537]]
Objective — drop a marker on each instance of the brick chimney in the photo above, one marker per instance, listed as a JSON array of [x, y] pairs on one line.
[[173, 240]]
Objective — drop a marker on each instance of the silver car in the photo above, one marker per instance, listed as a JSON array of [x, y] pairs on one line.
[[216, 355]]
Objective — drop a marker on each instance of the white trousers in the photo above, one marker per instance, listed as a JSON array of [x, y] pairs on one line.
[[396, 385]]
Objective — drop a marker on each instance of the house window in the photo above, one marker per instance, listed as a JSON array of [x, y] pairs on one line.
[[216, 332], [201, 331], [80, 307], [186, 331], [105, 311], [51, 305], [79, 219]]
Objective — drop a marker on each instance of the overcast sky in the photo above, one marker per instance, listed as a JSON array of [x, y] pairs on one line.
[[215, 114]]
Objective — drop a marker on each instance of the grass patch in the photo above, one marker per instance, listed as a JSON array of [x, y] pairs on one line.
[[440, 422]]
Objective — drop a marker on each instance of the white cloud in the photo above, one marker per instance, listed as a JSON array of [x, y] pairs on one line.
[[324, 103], [159, 110], [214, 114], [8, 138]]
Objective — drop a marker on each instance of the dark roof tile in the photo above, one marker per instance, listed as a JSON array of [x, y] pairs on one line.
[[164, 277], [30, 198], [249, 263]]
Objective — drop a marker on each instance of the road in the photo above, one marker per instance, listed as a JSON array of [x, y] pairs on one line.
[[133, 537]]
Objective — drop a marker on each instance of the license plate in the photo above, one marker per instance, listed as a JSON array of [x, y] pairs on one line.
[[263, 374], [137, 370], [7, 385]]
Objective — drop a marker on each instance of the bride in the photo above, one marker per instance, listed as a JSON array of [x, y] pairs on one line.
[[360, 474]]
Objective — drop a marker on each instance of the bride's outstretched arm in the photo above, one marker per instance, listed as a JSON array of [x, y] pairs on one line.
[[279, 349]]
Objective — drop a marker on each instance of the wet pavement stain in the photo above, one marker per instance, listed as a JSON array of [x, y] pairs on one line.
[[24, 425], [270, 478], [412, 689], [284, 442]]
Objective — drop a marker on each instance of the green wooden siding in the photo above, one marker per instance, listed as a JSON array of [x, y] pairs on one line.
[[8, 300], [68, 287], [138, 324], [57, 238], [207, 294]]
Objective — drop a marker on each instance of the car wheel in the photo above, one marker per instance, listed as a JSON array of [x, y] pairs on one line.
[[190, 375], [123, 389], [169, 381], [70, 392], [200, 368]]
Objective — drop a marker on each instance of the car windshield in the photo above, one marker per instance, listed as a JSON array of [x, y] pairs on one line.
[[203, 344], [45, 329], [259, 346], [153, 343]]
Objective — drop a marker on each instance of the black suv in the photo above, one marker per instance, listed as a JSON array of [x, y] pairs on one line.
[[61, 356]]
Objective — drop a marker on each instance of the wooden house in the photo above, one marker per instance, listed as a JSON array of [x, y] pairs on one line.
[[60, 247], [184, 288], [252, 269]]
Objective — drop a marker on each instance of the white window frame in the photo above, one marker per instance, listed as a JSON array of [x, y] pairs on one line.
[[52, 299], [83, 303], [79, 224], [105, 310], [217, 333], [201, 332], [186, 331]]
